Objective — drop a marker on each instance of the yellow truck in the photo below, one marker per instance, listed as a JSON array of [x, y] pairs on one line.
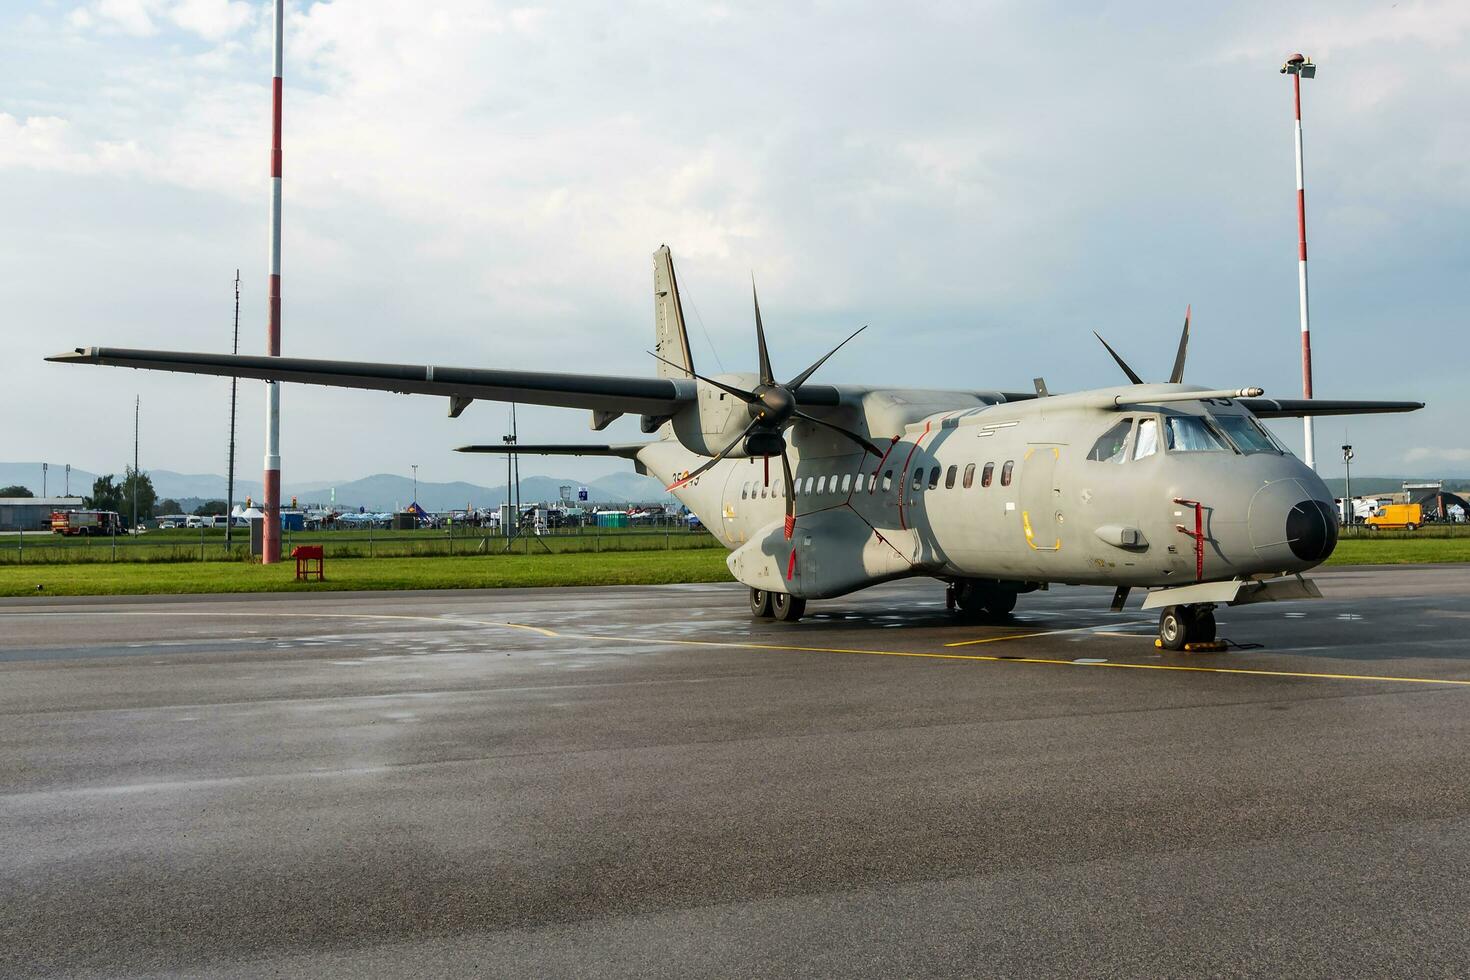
[[1406, 516]]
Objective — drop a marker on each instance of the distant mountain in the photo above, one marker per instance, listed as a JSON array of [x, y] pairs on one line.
[[385, 491], [380, 492], [29, 475]]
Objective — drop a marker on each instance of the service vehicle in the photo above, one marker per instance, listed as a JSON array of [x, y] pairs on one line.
[[87, 522], [1410, 517]]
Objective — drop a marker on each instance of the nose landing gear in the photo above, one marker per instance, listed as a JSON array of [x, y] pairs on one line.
[[1187, 627], [776, 605]]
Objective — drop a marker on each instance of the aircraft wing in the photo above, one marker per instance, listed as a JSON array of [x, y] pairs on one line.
[[1286, 408], [602, 393], [626, 450]]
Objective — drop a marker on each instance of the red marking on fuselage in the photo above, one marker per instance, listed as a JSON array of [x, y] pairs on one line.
[[904, 474]]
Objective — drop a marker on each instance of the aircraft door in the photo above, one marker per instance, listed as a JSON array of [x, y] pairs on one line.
[[1041, 498]]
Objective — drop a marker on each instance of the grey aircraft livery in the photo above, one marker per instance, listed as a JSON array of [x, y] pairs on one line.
[[1169, 487]]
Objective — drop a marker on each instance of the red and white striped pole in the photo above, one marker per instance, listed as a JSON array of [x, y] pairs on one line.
[[1298, 66], [271, 550]]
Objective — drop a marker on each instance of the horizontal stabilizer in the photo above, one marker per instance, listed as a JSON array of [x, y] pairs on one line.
[[627, 450], [1287, 408]]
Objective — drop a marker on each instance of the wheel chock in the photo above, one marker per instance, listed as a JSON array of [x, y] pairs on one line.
[[1214, 646]]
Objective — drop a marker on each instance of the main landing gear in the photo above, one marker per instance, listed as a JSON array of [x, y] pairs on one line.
[[976, 598], [779, 606], [1181, 626]]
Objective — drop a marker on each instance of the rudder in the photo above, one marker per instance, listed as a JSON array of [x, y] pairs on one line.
[[671, 338]]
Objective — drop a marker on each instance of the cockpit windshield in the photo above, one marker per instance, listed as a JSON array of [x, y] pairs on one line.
[[1190, 434], [1248, 435]]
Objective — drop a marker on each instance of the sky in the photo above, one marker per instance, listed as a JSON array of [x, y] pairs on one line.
[[983, 183]]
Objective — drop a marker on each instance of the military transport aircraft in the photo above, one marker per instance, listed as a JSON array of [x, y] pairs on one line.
[[1170, 487]]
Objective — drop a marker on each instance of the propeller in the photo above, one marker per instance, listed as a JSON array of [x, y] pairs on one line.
[[1175, 376], [772, 408]]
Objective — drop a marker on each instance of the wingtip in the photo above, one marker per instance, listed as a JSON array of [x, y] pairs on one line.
[[75, 355]]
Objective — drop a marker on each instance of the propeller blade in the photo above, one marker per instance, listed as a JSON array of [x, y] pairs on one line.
[[1177, 375], [715, 458], [760, 338], [1132, 375], [800, 379], [745, 396], [790, 496], [847, 432]]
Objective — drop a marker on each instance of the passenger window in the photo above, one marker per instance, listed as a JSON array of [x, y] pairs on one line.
[[872, 480], [934, 478], [1110, 446], [918, 478], [969, 476], [821, 484], [887, 480], [1005, 472], [745, 490], [846, 482], [987, 475], [765, 490], [949, 476], [1146, 442], [810, 481]]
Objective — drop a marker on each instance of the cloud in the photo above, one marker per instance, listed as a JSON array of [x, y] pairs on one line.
[[212, 20], [481, 177], [1437, 455]]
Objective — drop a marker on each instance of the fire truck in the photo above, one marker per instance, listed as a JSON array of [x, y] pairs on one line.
[[86, 522]]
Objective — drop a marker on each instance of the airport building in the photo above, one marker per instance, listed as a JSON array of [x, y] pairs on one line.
[[32, 513]]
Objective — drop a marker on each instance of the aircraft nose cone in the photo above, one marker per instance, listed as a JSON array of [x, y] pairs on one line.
[[1289, 525], [1311, 530]]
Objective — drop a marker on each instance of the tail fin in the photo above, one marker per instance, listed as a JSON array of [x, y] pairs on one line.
[[671, 340]]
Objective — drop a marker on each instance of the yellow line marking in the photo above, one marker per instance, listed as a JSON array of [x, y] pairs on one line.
[[1022, 636], [790, 648], [738, 645]]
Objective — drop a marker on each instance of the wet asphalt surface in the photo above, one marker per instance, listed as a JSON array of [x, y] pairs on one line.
[[644, 782]]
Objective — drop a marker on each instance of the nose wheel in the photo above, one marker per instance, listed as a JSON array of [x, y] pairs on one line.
[[1180, 626], [776, 605]]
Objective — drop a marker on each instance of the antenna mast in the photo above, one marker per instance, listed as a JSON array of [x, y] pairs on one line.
[[234, 394]]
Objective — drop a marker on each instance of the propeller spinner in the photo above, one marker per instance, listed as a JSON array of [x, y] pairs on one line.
[[773, 409]]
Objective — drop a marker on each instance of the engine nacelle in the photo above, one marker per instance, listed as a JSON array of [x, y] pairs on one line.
[[715, 418], [764, 444]]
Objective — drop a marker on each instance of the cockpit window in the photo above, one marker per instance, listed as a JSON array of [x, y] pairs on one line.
[[1248, 435], [1110, 446], [1146, 443], [1190, 434]]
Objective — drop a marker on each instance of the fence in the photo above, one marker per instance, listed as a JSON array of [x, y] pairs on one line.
[[208, 544]]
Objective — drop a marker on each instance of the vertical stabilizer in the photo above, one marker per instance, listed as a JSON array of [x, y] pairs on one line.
[[671, 340]]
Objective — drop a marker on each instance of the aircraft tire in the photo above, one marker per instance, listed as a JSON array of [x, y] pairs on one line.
[[787, 608], [1175, 626], [760, 604], [1203, 630], [1000, 602]]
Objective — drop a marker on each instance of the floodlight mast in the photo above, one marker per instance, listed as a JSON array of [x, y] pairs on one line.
[[270, 551], [1299, 66]]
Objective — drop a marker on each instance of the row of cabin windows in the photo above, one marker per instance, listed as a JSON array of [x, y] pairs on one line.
[[813, 485]]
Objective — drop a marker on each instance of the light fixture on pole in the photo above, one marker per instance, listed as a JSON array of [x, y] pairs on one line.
[[1299, 66], [415, 468], [44, 468], [1347, 490]]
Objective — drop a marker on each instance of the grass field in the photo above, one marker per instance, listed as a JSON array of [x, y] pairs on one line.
[[702, 564], [208, 544], [478, 572]]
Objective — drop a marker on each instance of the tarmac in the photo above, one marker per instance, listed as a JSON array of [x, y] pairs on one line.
[[644, 782]]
